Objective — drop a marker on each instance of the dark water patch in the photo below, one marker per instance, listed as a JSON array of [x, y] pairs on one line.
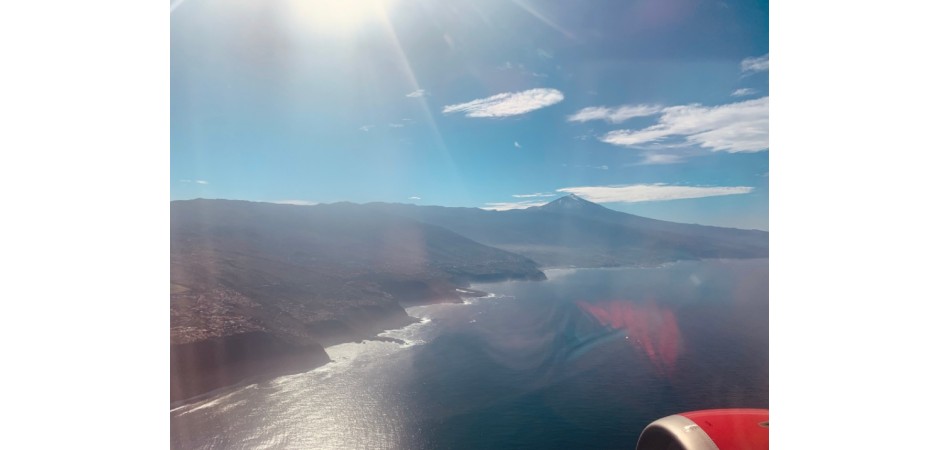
[[583, 360]]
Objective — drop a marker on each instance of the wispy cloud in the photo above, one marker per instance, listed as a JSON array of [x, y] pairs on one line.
[[195, 181], [537, 194], [584, 137], [584, 166], [755, 64], [508, 103], [295, 202], [651, 192], [416, 94], [544, 54], [396, 125], [614, 115], [521, 68], [734, 127], [512, 205], [660, 158], [414, 197], [744, 92], [366, 127], [516, 144]]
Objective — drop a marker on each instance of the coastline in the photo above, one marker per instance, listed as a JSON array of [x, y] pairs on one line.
[[291, 363], [385, 388], [288, 359], [657, 265]]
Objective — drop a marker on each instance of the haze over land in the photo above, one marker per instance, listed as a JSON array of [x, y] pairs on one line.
[[256, 285]]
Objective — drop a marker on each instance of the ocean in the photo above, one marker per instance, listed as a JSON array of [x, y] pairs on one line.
[[582, 360]]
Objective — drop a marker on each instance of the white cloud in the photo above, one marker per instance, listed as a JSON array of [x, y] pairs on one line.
[[614, 115], [734, 127], [544, 54], [508, 103], [414, 198], [516, 144], [651, 192], [629, 138], [295, 202], [195, 181], [660, 158], [744, 92], [396, 125], [366, 127], [416, 94], [755, 64], [512, 205], [537, 194]]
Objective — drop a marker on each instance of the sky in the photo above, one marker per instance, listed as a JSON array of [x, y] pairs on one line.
[[653, 107]]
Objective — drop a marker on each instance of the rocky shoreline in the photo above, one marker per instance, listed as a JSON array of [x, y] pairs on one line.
[[260, 289], [203, 366]]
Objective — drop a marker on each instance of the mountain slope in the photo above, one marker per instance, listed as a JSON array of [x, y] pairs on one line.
[[253, 281], [571, 231], [260, 288]]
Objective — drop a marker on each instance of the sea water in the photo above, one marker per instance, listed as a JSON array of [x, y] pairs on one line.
[[584, 359]]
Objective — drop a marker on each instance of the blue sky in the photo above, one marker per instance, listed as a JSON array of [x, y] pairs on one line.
[[653, 107]]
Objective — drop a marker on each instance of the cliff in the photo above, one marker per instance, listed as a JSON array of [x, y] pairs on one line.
[[258, 290]]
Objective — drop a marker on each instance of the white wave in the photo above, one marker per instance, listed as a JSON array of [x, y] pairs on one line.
[[284, 379], [554, 274], [412, 343], [208, 403], [410, 333], [488, 297]]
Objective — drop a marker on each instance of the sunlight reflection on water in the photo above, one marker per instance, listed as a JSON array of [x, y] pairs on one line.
[[525, 352]]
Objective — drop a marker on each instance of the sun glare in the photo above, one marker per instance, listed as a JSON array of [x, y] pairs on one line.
[[337, 16]]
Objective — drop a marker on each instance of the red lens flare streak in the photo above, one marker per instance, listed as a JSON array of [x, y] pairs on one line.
[[650, 328]]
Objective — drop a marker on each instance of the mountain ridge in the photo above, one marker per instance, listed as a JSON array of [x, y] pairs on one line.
[[257, 287], [571, 231]]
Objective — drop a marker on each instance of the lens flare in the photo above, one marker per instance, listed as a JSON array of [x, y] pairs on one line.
[[651, 329], [336, 16]]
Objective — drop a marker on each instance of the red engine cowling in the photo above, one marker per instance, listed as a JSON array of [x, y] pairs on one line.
[[711, 429]]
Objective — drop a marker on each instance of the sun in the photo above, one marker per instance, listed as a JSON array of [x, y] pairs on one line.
[[337, 16]]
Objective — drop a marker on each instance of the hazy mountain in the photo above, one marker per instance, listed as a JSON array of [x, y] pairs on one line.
[[571, 231], [253, 279], [260, 288]]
